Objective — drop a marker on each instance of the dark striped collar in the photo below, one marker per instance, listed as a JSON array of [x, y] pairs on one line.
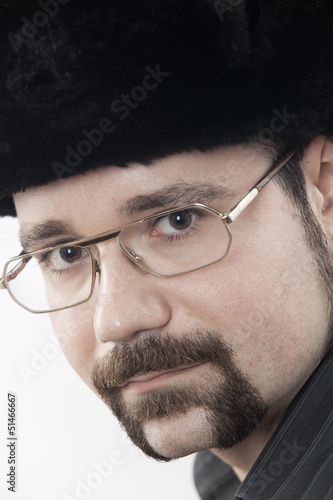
[[296, 463]]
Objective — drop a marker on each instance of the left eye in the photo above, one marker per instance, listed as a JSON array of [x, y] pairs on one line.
[[174, 223]]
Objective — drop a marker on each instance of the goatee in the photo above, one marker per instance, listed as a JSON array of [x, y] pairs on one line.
[[233, 407]]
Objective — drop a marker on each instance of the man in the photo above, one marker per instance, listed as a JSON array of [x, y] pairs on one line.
[[192, 288]]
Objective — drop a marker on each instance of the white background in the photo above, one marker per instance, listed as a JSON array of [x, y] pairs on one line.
[[67, 438]]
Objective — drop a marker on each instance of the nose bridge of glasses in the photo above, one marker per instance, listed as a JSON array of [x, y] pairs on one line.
[[130, 255], [134, 258], [99, 239], [92, 242]]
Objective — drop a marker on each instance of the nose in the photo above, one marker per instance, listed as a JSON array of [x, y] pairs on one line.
[[127, 301]]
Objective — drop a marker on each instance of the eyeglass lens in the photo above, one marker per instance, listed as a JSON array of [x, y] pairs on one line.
[[178, 242]]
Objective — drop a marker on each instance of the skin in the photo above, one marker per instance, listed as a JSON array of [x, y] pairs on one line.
[[265, 299]]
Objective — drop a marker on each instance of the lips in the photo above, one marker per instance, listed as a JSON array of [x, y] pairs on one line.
[[153, 380], [154, 354]]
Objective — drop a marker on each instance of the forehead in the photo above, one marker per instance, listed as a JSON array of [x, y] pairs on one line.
[[112, 189]]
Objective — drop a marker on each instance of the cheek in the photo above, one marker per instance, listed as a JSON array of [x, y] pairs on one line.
[[268, 306], [74, 329]]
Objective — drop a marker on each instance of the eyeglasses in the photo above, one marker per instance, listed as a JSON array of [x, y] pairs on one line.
[[166, 244]]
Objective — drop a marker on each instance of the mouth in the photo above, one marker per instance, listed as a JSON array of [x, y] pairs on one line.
[[145, 383]]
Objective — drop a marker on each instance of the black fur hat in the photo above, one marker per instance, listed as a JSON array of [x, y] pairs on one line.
[[106, 82]]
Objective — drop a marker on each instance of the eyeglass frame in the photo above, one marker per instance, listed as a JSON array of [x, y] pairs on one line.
[[226, 219]]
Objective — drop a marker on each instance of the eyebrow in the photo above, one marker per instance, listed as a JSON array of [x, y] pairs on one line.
[[32, 234], [183, 193], [178, 194]]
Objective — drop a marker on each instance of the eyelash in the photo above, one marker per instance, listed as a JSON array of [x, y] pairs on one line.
[[151, 224], [59, 272], [172, 237], [42, 262]]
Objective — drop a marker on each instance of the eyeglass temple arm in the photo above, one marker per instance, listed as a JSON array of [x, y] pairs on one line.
[[238, 209], [15, 271]]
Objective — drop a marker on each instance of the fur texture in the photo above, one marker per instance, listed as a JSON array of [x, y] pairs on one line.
[[211, 73]]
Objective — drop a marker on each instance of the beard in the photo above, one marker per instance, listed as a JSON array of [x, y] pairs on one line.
[[233, 407]]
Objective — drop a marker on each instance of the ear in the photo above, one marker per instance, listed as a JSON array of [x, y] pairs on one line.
[[318, 171]]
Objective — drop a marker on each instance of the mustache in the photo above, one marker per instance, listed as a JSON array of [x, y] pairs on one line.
[[156, 352]]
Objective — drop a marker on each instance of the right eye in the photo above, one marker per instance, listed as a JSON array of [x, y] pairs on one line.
[[64, 258]]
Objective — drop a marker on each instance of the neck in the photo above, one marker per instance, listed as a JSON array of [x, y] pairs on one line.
[[242, 457]]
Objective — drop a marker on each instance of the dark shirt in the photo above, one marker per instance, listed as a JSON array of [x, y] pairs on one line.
[[296, 463]]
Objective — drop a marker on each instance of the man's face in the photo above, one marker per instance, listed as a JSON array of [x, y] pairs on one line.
[[202, 360]]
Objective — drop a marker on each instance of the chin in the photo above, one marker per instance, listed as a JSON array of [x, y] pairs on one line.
[[180, 435]]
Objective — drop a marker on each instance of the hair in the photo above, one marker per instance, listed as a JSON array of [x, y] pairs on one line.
[[292, 181]]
